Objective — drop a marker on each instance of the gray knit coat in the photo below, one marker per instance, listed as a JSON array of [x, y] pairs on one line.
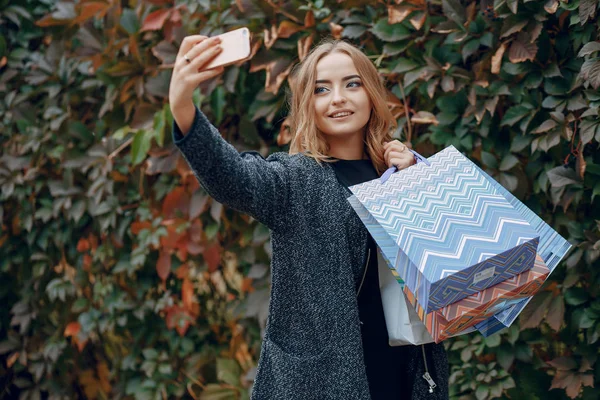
[[312, 347]]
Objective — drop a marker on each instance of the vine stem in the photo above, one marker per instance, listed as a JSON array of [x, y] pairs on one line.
[[407, 112]]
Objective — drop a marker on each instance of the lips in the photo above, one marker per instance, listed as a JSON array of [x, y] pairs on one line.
[[340, 114]]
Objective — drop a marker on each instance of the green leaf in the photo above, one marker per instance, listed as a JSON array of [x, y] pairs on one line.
[[514, 115], [404, 65], [561, 176], [508, 162], [140, 146], [489, 160], [482, 392], [150, 354], [390, 33], [493, 340], [581, 319], [576, 296], [354, 31], [228, 371], [455, 11], [545, 126], [129, 21], [587, 10], [505, 357], [217, 102], [596, 191], [470, 48], [588, 49], [520, 142], [512, 5]]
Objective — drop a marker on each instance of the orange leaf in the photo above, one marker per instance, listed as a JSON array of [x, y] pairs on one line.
[[212, 257], [397, 14], [309, 19], [177, 317], [176, 202], [89, 10], [336, 30], [247, 285], [155, 20], [83, 245], [497, 59], [187, 294], [12, 359], [72, 329], [287, 29], [304, 47], [49, 20], [163, 265], [138, 226], [87, 262]]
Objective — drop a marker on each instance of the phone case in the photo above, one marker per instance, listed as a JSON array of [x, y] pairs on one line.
[[236, 47]]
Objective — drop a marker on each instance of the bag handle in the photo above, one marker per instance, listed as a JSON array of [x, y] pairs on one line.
[[418, 158]]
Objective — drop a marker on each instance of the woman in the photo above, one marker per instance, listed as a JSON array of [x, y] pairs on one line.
[[326, 336]]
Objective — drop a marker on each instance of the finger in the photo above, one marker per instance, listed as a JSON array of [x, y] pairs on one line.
[[393, 147], [400, 163], [206, 75], [199, 63], [188, 42], [202, 47]]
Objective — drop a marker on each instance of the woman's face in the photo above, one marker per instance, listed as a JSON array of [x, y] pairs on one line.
[[341, 104]]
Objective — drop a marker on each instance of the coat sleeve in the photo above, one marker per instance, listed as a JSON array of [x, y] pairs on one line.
[[244, 181]]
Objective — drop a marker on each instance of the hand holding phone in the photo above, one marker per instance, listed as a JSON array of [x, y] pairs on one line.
[[235, 47]]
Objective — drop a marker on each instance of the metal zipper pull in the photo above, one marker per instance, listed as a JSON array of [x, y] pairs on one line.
[[426, 375], [430, 381]]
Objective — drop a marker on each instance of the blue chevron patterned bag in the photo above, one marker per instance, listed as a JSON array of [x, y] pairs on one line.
[[552, 248], [445, 228]]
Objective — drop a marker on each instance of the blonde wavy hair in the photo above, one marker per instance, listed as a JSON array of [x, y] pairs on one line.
[[306, 138]]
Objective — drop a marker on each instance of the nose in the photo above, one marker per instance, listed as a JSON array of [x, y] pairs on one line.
[[338, 97]]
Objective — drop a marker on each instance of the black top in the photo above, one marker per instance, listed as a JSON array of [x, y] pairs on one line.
[[386, 367]]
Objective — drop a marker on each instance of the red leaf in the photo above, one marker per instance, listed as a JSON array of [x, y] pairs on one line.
[[212, 256], [138, 226], [287, 29], [176, 202], [163, 266], [563, 363], [556, 313], [178, 318], [83, 245], [156, 19], [91, 9], [72, 329], [187, 294]]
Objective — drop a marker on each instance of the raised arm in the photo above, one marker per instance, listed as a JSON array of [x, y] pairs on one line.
[[246, 181]]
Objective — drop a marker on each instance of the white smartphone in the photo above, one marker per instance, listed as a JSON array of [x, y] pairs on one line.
[[236, 47]]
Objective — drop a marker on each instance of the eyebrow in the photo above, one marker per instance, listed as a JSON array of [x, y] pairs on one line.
[[346, 78]]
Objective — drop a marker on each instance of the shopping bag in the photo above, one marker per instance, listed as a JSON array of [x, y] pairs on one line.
[[403, 324], [466, 313], [446, 230], [552, 248]]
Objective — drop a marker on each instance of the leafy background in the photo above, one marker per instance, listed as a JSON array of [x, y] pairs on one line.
[[121, 278]]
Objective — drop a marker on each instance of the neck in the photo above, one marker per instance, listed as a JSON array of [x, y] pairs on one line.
[[347, 148]]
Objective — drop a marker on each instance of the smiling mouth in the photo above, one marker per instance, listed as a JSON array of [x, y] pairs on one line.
[[341, 114]]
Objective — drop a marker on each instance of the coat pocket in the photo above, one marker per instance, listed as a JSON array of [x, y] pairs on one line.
[[285, 376], [302, 340]]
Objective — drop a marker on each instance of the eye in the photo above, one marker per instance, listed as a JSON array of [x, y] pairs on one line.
[[320, 89], [354, 84]]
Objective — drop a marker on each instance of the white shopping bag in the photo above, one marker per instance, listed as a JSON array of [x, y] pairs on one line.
[[403, 324]]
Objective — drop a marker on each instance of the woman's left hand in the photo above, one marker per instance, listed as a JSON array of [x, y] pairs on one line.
[[397, 154]]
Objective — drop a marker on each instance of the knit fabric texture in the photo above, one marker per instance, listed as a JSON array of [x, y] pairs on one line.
[[312, 346]]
